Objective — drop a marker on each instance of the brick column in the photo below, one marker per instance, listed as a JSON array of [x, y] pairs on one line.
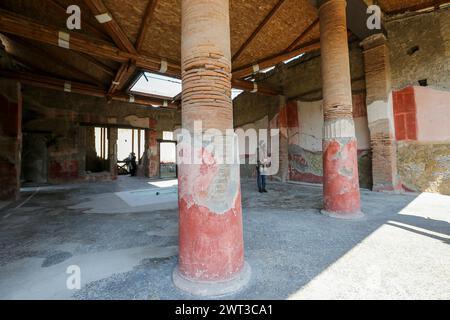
[[10, 145], [211, 260], [340, 159], [380, 113], [113, 134]]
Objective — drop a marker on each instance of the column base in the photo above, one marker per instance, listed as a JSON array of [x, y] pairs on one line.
[[344, 216], [213, 288]]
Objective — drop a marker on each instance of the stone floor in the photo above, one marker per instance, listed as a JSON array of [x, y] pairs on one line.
[[123, 236]]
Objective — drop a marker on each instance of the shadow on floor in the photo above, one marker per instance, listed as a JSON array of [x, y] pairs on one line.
[[399, 250]]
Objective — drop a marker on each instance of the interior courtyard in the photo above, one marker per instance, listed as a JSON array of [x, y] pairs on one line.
[[101, 196]]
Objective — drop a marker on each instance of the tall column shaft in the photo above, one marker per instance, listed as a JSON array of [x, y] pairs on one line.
[[211, 235], [152, 157], [113, 134], [380, 113], [341, 181]]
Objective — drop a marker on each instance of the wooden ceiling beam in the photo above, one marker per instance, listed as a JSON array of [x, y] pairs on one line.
[[127, 71], [257, 30], [58, 60], [111, 27], [25, 63], [121, 40], [82, 88], [26, 28], [430, 4], [251, 86], [18, 25], [276, 59], [99, 64], [58, 6], [145, 25], [302, 36]]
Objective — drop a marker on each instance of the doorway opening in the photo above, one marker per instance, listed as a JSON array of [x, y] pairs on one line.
[[97, 152], [168, 156], [129, 141]]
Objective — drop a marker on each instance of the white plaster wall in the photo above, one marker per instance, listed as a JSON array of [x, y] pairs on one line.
[[433, 114], [381, 110], [362, 133], [311, 127]]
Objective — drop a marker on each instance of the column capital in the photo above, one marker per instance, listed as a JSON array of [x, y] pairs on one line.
[[374, 41]]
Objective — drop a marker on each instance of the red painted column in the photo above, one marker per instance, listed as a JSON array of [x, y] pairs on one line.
[[152, 154], [211, 260], [340, 160]]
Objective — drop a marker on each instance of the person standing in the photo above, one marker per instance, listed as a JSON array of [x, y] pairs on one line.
[[261, 179], [262, 169]]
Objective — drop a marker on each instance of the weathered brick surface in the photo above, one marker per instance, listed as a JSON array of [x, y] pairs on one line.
[[336, 80], [431, 33], [377, 68], [381, 118], [359, 105], [206, 66]]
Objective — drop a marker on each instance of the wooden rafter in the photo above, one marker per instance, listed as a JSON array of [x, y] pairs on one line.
[[276, 59], [99, 64], [121, 40], [302, 36], [127, 71], [27, 28], [250, 86], [85, 24], [111, 27], [257, 30], [81, 88], [25, 63], [422, 6], [148, 17], [294, 49], [58, 60]]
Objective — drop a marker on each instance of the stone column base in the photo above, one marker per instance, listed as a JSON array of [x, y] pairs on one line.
[[213, 288], [354, 216]]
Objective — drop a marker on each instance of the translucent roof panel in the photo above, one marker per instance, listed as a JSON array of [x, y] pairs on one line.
[[156, 84]]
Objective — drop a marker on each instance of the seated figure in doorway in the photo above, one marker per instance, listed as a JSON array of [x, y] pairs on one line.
[[131, 163]]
